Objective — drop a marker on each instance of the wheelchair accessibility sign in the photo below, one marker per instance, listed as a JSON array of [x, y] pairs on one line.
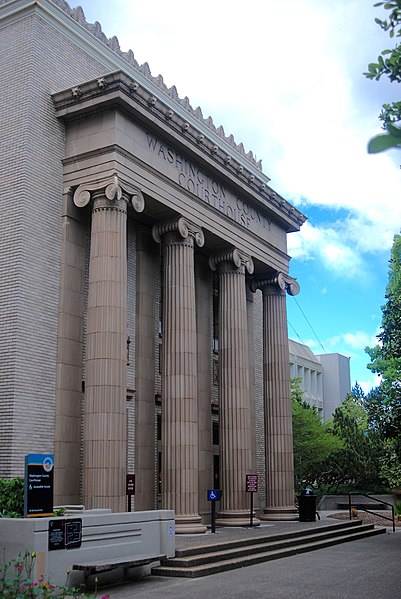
[[213, 495]]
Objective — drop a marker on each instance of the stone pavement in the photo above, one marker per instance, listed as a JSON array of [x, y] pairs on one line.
[[363, 569]]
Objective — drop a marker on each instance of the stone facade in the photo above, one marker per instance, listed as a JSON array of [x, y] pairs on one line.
[[138, 243]]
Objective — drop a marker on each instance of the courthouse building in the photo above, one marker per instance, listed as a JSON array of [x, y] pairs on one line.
[[143, 281]]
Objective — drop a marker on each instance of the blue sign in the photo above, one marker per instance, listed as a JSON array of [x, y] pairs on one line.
[[213, 494]]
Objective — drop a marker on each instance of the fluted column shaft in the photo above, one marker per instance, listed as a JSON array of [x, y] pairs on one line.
[[278, 407], [105, 421], [105, 427], [180, 449], [234, 394]]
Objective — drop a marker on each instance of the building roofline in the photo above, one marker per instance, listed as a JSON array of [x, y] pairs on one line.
[[90, 37]]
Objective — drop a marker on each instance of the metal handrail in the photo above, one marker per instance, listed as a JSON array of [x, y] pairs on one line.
[[392, 519]]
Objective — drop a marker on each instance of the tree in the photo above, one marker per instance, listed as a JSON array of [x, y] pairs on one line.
[[358, 463], [383, 404], [388, 64], [386, 355], [313, 441]]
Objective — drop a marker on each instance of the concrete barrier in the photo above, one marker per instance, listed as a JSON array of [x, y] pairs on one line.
[[105, 536]]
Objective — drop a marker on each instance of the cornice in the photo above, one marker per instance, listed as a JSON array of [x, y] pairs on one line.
[[90, 37], [120, 89]]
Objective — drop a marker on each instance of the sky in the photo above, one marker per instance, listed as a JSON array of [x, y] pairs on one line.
[[285, 77]]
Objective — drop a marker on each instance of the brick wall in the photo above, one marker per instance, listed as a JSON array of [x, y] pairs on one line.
[[35, 60]]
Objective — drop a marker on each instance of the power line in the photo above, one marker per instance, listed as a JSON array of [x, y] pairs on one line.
[[312, 329], [290, 325]]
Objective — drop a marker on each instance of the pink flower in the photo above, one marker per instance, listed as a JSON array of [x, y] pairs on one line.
[[23, 587], [107, 596]]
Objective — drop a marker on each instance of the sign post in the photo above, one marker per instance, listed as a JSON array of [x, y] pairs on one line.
[[213, 495], [251, 487], [130, 488], [38, 485]]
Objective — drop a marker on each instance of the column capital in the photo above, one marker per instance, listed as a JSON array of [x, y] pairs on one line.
[[184, 227], [280, 281], [113, 188], [233, 256]]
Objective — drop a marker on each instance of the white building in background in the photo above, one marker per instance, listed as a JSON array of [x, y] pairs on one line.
[[325, 378], [336, 381]]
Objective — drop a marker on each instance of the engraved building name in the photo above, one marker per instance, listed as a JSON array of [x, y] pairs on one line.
[[193, 179]]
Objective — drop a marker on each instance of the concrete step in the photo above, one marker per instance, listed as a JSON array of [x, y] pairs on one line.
[[212, 559], [189, 558], [268, 538]]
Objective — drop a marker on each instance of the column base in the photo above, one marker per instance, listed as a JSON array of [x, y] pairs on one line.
[[190, 524], [235, 518], [279, 513]]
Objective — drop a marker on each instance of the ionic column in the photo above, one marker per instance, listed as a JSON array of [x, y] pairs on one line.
[[277, 398], [105, 426], [180, 450], [234, 394]]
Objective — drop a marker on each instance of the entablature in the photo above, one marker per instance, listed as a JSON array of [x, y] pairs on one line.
[[121, 92]]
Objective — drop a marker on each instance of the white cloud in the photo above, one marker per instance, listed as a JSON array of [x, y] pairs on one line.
[[328, 246], [359, 339], [368, 385]]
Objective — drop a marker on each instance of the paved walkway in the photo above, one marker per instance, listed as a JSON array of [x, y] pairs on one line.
[[363, 569]]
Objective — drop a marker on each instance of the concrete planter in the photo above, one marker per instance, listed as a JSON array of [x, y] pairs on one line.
[[105, 536]]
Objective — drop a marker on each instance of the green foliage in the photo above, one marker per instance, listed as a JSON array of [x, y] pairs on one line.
[[358, 463], [386, 356], [390, 470], [385, 141], [388, 64], [17, 582], [383, 404], [354, 461], [11, 498], [353, 408], [313, 441]]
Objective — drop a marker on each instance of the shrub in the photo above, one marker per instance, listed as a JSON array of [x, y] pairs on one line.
[[11, 498]]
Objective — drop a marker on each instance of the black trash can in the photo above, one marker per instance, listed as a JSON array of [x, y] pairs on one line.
[[307, 506]]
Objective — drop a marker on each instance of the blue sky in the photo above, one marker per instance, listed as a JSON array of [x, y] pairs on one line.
[[285, 77]]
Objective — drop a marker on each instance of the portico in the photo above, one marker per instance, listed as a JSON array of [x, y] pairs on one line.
[[154, 204]]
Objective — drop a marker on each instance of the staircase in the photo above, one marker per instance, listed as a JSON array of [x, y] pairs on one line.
[[202, 560]]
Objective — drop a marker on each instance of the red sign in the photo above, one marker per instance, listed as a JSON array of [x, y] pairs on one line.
[[130, 484], [251, 483]]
